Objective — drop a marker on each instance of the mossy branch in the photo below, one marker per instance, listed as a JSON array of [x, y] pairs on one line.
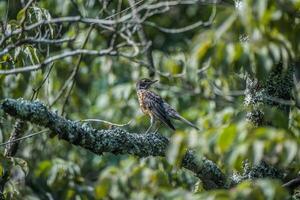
[[116, 141]]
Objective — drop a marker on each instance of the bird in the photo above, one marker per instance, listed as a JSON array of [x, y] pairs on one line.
[[153, 105]]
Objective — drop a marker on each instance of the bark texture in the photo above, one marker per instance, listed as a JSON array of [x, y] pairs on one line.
[[116, 141]]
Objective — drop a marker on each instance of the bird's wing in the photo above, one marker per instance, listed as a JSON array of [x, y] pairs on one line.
[[155, 104], [171, 112], [175, 115]]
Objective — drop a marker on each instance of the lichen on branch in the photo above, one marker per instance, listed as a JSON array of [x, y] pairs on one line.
[[116, 141]]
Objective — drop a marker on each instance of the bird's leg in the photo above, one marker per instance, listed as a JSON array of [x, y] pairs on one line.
[[149, 128], [157, 127], [152, 122]]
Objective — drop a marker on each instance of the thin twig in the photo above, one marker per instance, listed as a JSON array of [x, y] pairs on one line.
[[37, 89], [126, 9], [31, 40], [100, 22], [24, 137], [106, 122], [114, 36], [58, 57], [75, 70], [280, 100], [186, 28], [143, 39]]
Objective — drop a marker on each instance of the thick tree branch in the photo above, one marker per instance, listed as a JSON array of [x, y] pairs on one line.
[[10, 151], [11, 148], [116, 141]]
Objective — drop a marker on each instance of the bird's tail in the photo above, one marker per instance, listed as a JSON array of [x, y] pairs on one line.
[[187, 122]]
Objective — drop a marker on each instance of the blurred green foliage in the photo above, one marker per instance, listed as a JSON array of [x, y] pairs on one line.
[[201, 75]]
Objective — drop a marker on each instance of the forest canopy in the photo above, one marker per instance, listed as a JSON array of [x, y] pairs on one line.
[[71, 126]]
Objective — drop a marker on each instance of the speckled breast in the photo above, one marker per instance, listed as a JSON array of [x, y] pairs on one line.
[[141, 97]]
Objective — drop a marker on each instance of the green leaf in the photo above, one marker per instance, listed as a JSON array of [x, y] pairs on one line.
[[226, 138], [261, 8], [102, 189], [21, 15], [203, 50], [33, 54], [225, 26], [292, 149]]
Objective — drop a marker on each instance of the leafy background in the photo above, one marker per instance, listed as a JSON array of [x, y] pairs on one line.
[[201, 73]]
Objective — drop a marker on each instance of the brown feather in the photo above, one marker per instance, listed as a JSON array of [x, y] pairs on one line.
[[152, 104]]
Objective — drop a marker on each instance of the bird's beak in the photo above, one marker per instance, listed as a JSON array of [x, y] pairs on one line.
[[153, 82]]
